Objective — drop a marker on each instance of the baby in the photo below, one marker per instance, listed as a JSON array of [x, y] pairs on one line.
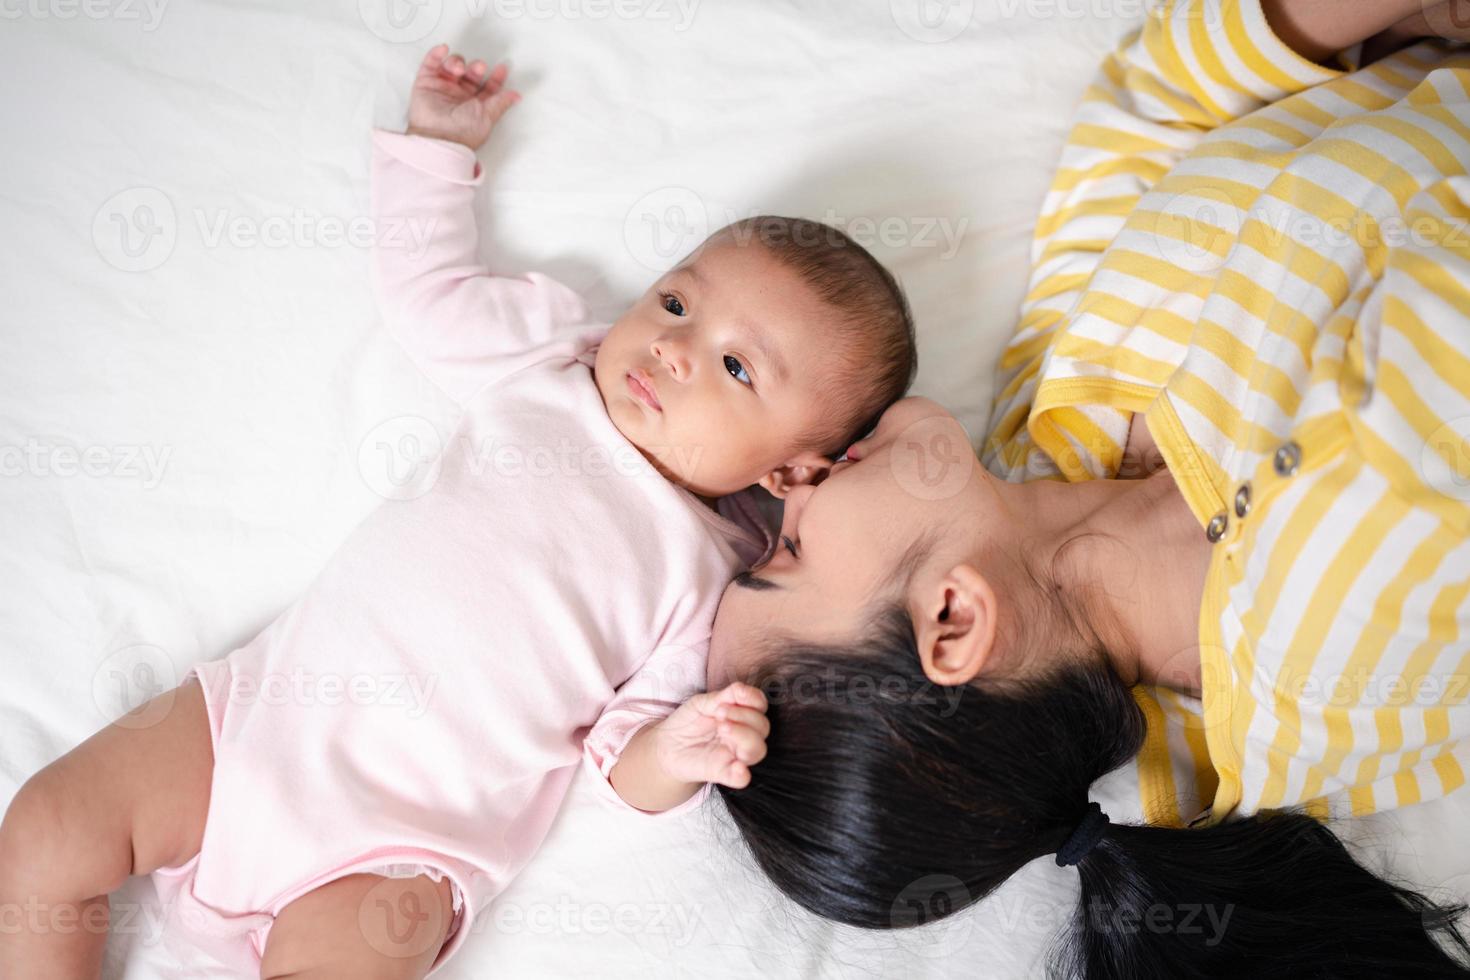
[[311, 832]]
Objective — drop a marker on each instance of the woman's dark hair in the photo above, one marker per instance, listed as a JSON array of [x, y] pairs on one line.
[[885, 801], [878, 363]]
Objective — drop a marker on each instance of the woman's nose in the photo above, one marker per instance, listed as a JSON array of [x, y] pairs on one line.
[[673, 356], [792, 507]]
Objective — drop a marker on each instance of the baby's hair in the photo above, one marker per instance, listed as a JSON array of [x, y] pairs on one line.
[[876, 352]]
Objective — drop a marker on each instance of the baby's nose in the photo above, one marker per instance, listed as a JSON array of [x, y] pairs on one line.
[[672, 356]]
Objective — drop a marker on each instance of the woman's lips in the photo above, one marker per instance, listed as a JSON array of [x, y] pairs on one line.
[[641, 385]]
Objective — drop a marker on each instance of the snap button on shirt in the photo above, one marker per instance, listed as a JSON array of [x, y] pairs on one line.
[[1216, 528], [1243, 499], [1288, 459]]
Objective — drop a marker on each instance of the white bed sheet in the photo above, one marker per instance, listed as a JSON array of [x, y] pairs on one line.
[[217, 373]]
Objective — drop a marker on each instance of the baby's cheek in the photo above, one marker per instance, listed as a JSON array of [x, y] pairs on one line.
[[686, 462]]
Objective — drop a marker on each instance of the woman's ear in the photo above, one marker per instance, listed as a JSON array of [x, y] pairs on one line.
[[803, 468], [955, 626]]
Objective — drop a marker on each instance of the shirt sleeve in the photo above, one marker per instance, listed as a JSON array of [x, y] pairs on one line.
[[1193, 67], [670, 676], [1410, 352], [463, 326], [1410, 361]]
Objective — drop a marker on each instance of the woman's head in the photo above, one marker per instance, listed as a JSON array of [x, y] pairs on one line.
[[910, 519]]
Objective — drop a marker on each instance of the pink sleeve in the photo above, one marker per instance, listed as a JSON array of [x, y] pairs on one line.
[[668, 678], [463, 326]]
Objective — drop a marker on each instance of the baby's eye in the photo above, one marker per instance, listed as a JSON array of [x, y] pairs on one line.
[[736, 369], [671, 303], [790, 546]]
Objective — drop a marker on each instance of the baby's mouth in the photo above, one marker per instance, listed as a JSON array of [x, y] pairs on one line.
[[641, 387]]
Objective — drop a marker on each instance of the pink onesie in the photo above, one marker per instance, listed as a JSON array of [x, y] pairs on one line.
[[424, 705]]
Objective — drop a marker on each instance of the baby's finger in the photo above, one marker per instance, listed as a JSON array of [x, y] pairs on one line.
[[745, 744], [453, 66], [499, 103], [739, 693], [433, 59], [473, 77], [494, 81], [747, 717], [735, 776]]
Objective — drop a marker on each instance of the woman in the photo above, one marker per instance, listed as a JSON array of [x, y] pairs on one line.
[[1238, 391]]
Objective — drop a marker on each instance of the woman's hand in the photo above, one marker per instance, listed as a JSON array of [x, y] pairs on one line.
[[455, 101], [715, 737]]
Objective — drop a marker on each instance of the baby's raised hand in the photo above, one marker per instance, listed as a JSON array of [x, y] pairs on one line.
[[715, 737], [455, 101]]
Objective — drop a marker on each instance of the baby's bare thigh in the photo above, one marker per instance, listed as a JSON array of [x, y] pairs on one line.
[[361, 925], [128, 800]]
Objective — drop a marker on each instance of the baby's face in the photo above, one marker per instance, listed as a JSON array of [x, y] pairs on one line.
[[719, 370]]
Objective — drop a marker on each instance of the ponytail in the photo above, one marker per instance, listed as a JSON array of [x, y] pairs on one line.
[[1273, 895], [876, 780]]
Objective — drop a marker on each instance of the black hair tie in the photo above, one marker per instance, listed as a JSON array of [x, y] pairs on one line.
[[1089, 831]]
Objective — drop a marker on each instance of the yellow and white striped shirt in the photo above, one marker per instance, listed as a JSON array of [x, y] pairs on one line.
[[1271, 260]]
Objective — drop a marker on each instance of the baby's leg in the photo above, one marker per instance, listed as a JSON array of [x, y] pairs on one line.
[[128, 800], [362, 926]]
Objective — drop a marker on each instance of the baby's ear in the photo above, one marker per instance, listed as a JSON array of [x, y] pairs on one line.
[[801, 469]]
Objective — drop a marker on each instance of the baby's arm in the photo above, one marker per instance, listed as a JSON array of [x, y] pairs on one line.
[[462, 325], [712, 738], [660, 741]]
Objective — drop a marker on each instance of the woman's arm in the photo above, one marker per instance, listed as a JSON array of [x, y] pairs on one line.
[[1195, 66], [1318, 29], [1448, 19]]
